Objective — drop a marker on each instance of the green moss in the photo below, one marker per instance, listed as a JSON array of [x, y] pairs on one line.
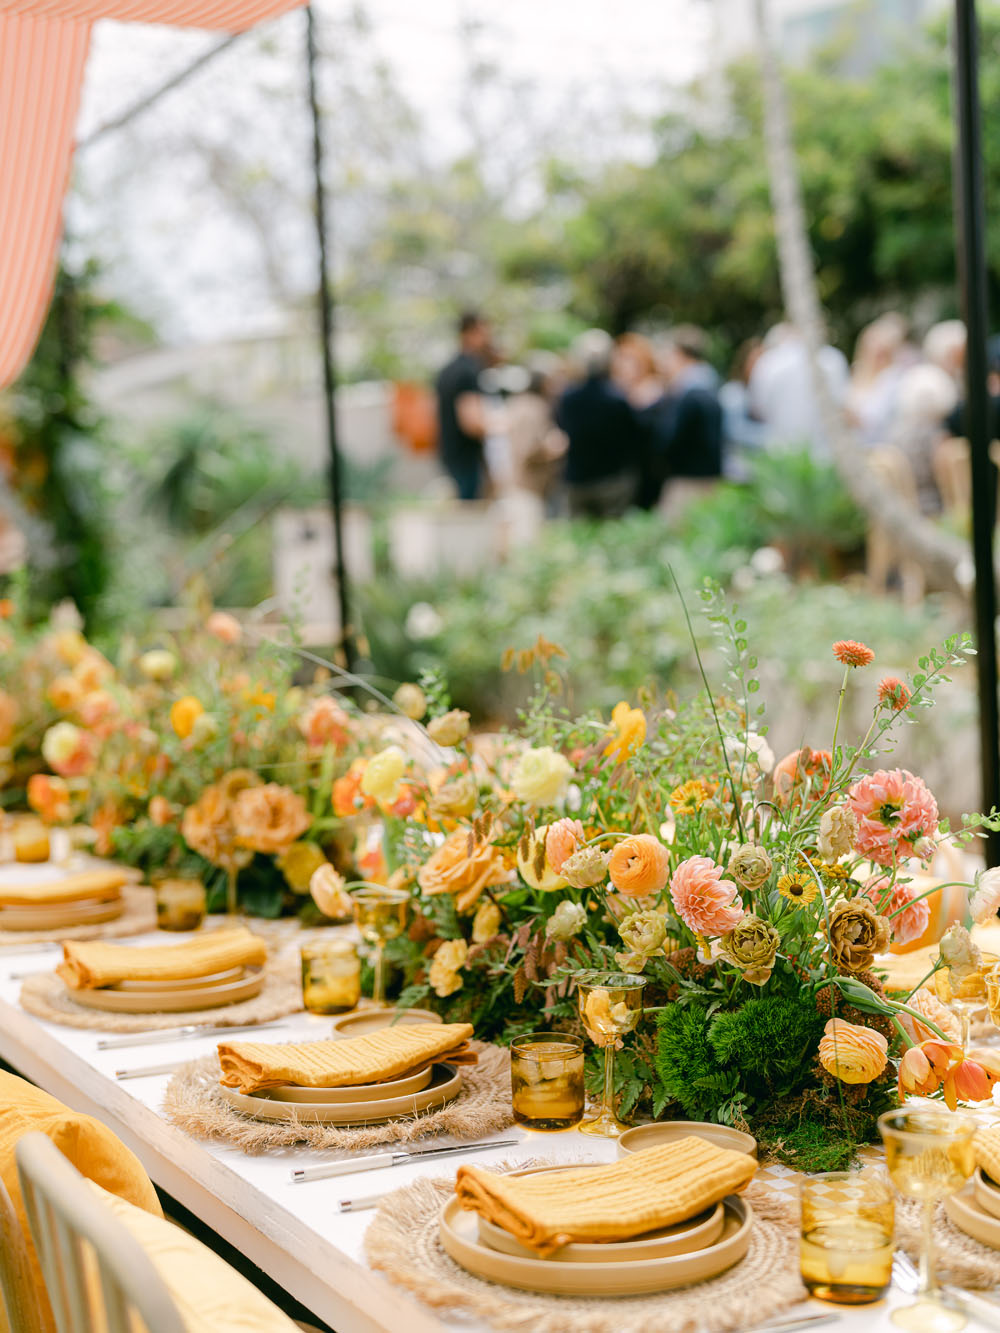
[[687, 1066], [770, 1042]]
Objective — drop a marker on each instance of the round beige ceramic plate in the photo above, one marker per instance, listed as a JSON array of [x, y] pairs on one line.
[[669, 1131], [185, 983], [685, 1237], [969, 1216], [445, 1084], [173, 1001], [360, 1021], [57, 916], [638, 1277], [987, 1194], [367, 1092]]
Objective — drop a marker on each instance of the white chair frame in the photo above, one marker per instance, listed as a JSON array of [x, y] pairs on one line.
[[69, 1224], [17, 1283]]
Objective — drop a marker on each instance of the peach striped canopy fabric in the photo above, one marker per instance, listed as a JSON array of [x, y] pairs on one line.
[[43, 50]]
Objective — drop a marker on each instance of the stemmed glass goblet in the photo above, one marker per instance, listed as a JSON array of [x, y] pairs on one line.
[[610, 1005], [965, 994], [380, 914], [929, 1155]]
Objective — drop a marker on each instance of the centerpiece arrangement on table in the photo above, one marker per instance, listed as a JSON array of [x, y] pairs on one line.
[[747, 901]]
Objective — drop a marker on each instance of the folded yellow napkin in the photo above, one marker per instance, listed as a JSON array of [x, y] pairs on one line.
[[88, 966], [645, 1190], [987, 1148], [347, 1063], [69, 889]]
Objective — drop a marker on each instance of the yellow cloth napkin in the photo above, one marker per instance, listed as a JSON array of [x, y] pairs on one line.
[[987, 1148], [347, 1063], [645, 1190], [69, 889], [87, 966]]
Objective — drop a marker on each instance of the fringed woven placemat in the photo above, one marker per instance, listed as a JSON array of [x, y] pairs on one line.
[[45, 996], [403, 1242], [193, 1102], [138, 916], [959, 1259]]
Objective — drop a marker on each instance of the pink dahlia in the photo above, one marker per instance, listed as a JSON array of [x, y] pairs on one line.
[[704, 901], [564, 837], [908, 918], [894, 811]]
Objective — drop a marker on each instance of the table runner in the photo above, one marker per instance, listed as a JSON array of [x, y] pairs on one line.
[[45, 996], [193, 1102], [403, 1242]]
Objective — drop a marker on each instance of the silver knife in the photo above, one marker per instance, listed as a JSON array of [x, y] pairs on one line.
[[147, 1071], [180, 1034], [795, 1322], [380, 1159]]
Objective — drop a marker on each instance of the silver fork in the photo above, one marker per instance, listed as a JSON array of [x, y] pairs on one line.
[[980, 1307]]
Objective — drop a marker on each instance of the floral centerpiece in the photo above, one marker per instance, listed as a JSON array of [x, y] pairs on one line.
[[755, 896]]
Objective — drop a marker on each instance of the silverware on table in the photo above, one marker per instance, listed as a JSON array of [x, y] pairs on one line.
[[148, 1071], [181, 1034], [363, 1201], [793, 1322], [376, 1160], [973, 1303]]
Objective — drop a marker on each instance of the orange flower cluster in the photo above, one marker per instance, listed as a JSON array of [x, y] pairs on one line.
[[940, 1065], [852, 653]]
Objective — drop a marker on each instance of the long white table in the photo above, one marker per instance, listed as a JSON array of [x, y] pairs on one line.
[[294, 1233]]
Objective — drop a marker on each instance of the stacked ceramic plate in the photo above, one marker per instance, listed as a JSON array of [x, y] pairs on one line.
[[691, 1251], [174, 997], [371, 1103], [60, 916], [976, 1211]]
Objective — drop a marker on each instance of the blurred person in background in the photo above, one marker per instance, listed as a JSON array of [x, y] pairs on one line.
[[781, 390], [634, 370], [685, 425], [944, 347], [537, 446], [602, 433], [743, 435], [881, 358], [462, 416]]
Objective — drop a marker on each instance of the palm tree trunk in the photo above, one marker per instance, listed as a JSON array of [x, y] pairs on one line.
[[946, 558]]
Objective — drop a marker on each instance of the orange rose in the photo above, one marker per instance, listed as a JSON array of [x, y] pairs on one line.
[[639, 864], [347, 796], [49, 797], [453, 868], [269, 818], [184, 713], [852, 1053], [207, 827]]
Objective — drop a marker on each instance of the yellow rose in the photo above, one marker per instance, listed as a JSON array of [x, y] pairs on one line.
[[629, 731], [184, 713], [157, 664], [382, 775], [541, 776], [453, 868], [411, 700], [449, 728], [533, 864], [444, 977], [486, 922]]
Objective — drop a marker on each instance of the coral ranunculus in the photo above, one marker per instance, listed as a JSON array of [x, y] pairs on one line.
[[803, 774], [629, 731], [925, 1002], [324, 722], [908, 915], [638, 865], [852, 1053], [49, 797], [894, 810], [704, 901], [68, 750], [455, 868], [269, 818], [565, 837], [224, 627]]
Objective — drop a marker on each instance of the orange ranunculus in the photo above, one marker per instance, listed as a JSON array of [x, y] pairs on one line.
[[405, 803], [324, 722], [852, 1053], [347, 797], [9, 710], [96, 708], [224, 627], [564, 837], [925, 1002], [269, 818], [454, 868], [184, 712], [161, 812], [628, 732], [639, 864], [49, 797], [93, 670], [105, 819], [802, 770], [64, 692]]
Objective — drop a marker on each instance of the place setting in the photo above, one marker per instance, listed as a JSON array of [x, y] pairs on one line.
[[42, 903]]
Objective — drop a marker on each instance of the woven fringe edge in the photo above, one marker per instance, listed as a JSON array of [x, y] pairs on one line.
[[406, 1210], [193, 1102], [960, 1259]]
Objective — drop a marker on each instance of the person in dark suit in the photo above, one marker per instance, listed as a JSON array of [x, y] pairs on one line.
[[602, 454], [461, 411], [685, 427]]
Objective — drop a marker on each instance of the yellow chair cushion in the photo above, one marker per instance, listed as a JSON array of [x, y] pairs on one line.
[[90, 1146], [210, 1295]]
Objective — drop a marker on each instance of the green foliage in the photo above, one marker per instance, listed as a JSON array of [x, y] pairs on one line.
[[686, 1065], [769, 1041]]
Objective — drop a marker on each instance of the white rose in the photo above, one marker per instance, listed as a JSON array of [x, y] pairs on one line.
[[158, 664]]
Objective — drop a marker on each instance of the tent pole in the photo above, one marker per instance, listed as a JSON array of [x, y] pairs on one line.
[[326, 320], [970, 229]]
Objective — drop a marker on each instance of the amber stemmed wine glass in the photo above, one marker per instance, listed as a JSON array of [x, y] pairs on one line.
[[610, 1005]]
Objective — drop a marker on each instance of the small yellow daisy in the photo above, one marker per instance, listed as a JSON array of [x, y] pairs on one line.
[[799, 887], [689, 797]]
